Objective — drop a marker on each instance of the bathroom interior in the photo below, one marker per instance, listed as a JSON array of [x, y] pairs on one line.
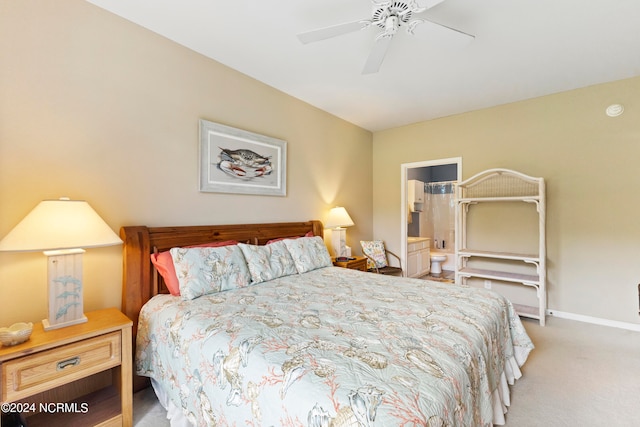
[[434, 217]]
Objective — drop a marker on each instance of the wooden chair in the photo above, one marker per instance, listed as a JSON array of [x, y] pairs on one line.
[[378, 258]]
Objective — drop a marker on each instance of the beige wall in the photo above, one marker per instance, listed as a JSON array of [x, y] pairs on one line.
[[94, 107], [590, 163]]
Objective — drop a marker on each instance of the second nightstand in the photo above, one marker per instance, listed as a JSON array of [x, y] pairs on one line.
[[359, 263]]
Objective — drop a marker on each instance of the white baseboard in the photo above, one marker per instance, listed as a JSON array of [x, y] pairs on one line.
[[594, 320]]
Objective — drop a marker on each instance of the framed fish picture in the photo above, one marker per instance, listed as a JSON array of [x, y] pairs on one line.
[[237, 161]]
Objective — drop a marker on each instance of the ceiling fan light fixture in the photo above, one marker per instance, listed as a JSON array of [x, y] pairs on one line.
[[391, 25]]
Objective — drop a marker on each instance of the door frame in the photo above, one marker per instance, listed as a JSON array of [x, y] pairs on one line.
[[404, 213]]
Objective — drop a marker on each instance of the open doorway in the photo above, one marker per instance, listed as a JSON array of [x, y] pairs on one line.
[[427, 220]]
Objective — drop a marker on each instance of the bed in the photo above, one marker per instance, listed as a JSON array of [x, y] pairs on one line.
[[314, 346]]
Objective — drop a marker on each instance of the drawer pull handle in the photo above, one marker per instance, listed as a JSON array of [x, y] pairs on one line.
[[74, 361]]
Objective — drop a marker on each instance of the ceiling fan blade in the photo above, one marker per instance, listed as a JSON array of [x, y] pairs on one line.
[[428, 4], [377, 54], [441, 34], [333, 31]]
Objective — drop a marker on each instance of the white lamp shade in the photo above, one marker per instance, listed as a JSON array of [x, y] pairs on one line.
[[338, 217], [59, 224]]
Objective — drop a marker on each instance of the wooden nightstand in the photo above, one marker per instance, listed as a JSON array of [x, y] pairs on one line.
[[75, 376], [359, 263]]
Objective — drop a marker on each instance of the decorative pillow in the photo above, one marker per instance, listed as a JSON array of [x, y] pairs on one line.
[[203, 271], [268, 262], [308, 253], [164, 264], [374, 250], [309, 234]]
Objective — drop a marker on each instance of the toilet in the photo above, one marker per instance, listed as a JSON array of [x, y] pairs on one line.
[[437, 259]]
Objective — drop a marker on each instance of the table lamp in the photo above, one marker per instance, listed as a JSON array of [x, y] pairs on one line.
[[61, 228], [338, 219]]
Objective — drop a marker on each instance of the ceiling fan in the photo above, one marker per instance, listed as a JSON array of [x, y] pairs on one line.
[[390, 16]]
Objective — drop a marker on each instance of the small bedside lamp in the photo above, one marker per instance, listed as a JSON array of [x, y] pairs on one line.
[[61, 228], [338, 219]]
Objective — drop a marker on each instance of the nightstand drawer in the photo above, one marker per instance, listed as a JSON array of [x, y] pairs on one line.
[[42, 371], [356, 263]]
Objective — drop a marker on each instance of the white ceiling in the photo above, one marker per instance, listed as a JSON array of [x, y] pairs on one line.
[[523, 49]]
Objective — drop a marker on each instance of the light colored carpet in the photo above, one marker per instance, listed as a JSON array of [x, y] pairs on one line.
[[578, 375], [147, 411]]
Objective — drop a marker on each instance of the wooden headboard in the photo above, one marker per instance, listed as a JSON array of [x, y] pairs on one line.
[[140, 280]]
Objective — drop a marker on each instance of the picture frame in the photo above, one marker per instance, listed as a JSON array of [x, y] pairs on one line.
[[241, 162]]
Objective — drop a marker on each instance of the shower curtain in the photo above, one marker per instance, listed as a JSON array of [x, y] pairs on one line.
[[439, 214]]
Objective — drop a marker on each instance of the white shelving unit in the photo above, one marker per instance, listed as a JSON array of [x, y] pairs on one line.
[[503, 185]]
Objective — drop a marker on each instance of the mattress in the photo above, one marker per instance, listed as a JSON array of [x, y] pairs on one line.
[[335, 347]]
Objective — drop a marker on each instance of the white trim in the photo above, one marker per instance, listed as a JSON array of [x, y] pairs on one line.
[[594, 320]]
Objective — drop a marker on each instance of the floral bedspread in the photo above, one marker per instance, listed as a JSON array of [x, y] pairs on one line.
[[332, 347]]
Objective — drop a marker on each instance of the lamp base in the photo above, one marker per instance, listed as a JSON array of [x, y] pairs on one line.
[[65, 289], [339, 241], [48, 326]]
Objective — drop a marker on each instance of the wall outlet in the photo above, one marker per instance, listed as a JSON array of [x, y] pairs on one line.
[[487, 284]]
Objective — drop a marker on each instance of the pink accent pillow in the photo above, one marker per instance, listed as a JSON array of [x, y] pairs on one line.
[[309, 234], [164, 264]]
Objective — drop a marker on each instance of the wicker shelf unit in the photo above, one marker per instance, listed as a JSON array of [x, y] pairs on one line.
[[503, 185]]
